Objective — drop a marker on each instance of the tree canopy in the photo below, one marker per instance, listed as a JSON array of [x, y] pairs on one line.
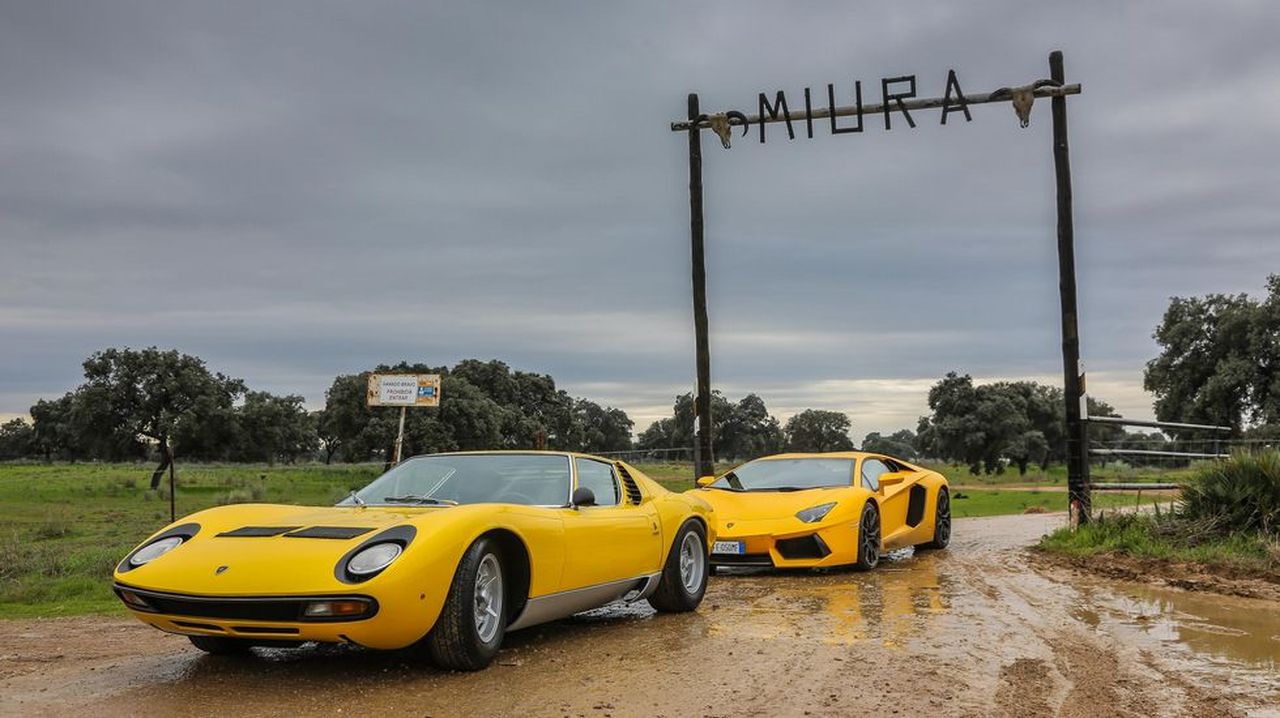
[[152, 402], [484, 405], [983, 426], [745, 430], [818, 430], [1219, 361]]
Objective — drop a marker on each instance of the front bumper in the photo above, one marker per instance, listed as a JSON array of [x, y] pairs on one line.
[[271, 618], [832, 545]]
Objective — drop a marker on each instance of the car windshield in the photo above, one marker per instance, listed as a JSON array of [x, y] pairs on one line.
[[448, 479], [787, 475]]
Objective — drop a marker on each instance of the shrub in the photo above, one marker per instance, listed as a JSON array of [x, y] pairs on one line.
[[53, 526], [1240, 494], [238, 496], [19, 557]]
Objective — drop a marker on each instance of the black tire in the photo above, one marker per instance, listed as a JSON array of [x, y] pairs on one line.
[[456, 643], [941, 522], [673, 594], [221, 645], [869, 539]]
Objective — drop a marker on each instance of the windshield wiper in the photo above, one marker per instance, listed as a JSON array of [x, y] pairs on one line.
[[413, 499], [355, 498]]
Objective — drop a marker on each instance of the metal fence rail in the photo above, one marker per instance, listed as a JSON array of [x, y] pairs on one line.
[[1138, 486], [1164, 453]]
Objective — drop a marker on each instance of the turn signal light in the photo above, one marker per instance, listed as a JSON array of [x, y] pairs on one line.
[[328, 609], [135, 601]]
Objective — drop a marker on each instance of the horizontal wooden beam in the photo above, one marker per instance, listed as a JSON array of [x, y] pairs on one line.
[[821, 113]]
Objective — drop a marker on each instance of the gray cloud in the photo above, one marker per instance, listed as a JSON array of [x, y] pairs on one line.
[[296, 190]]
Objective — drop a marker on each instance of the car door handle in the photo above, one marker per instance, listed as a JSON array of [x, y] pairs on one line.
[[654, 526]]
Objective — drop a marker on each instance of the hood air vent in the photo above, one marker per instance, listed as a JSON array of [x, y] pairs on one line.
[[259, 531], [329, 532]]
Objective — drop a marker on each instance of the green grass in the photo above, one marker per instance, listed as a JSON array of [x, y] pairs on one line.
[[1057, 475], [967, 503], [1228, 516], [1143, 536]]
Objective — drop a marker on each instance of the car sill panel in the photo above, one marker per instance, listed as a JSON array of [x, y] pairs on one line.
[[566, 603]]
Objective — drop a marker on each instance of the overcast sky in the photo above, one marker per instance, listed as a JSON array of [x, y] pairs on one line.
[[293, 190]]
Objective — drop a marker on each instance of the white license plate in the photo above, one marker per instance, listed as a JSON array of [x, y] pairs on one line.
[[733, 547]]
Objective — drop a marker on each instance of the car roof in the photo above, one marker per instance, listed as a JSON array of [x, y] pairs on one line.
[[514, 452], [820, 455]]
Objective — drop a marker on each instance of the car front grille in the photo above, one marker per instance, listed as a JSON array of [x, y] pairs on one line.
[[287, 609], [802, 547], [746, 559]]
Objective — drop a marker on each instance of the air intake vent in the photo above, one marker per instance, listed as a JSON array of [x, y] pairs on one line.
[[915, 505], [329, 532], [633, 489], [259, 531]]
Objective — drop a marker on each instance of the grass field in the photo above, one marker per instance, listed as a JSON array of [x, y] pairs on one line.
[[1057, 475], [64, 526], [1140, 536]]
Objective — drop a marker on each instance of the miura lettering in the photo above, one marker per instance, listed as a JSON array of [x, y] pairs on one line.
[[894, 91]]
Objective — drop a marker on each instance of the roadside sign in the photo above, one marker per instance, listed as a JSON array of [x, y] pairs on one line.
[[404, 390]]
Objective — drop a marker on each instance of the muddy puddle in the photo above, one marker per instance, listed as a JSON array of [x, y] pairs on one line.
[[1226, 629], [970, 631]]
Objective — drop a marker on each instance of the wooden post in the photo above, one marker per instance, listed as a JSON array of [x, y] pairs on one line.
[[1078, 492], [703, 461], [400, 435], [173, 488]]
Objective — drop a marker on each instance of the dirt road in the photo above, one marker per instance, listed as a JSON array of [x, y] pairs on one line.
[[972, 631]]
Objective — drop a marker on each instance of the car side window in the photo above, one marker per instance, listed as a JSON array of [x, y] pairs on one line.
[[599, 477], [872, 470]]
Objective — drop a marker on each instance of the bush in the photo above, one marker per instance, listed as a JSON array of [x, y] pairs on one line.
[[253, 494], [1240, 494], [54, 525]]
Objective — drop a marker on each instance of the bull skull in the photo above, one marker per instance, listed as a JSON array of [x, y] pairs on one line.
[[1023, 98], [719, 124]]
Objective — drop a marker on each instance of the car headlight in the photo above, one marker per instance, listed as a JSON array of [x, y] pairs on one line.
[[155, 550], [374, 559], [814, 514]]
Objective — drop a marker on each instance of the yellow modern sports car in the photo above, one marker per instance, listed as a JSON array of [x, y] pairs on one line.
[[814, 510], [446, 552]]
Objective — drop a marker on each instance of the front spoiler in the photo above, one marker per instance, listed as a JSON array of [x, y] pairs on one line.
[[831, 545], [262, 618]]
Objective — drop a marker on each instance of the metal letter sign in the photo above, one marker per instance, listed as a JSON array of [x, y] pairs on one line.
[[897, 95]]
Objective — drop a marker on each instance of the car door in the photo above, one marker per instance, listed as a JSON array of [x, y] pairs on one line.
[[890, 483], [613, 540]]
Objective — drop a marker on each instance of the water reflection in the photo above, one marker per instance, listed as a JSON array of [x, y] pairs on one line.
[[1222, 627], [890, 604]]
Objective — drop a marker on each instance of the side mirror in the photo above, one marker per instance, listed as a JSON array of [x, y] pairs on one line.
[[704, 481], [582, 496], [891, 479]]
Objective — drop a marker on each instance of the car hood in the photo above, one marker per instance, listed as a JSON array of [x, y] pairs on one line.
[[739, 506], [225, 557]]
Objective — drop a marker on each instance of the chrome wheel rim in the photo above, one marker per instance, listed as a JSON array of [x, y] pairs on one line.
[[943, 530], [488, 597], [870, 529], [692, 562]]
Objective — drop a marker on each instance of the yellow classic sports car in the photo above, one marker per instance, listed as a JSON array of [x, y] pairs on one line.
[[815, 510], [445, 552]]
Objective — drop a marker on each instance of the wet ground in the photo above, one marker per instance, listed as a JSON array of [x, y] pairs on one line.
[[971, 631]]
